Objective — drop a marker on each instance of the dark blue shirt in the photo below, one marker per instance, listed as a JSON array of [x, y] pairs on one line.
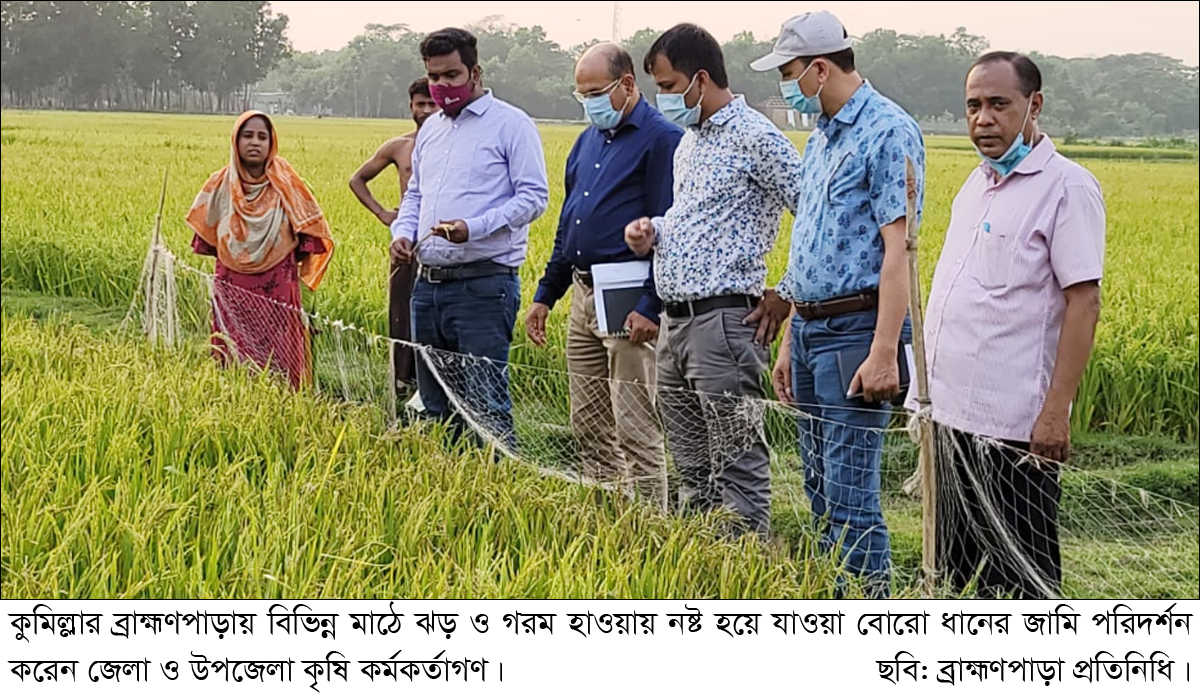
[[612, 178]]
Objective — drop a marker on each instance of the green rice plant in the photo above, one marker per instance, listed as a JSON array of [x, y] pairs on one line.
[[134, 472], [80, 193]]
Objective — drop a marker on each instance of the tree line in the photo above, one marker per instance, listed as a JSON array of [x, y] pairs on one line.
[[181, 56], [205, 56]]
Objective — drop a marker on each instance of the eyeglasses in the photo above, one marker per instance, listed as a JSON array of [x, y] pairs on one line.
[[581, 97]]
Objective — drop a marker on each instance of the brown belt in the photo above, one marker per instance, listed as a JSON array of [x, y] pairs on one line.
[[813, 310]]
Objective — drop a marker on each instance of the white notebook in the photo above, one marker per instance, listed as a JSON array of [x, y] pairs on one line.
[[617, 287]]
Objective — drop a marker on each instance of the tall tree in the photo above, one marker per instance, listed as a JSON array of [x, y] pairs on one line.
[[207, 55]]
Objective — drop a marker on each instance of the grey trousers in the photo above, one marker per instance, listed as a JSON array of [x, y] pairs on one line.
[[711, 397]]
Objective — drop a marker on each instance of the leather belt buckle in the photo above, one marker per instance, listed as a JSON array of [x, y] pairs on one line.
[[428, 274]]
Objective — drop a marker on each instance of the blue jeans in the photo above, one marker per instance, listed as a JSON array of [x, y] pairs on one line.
[[841, 445], [469, 317]]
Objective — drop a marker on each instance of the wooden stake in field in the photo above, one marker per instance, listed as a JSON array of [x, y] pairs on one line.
[[155, 248], [924, 418], [158, 259]]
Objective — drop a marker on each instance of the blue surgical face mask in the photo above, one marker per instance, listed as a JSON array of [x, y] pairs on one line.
[[599, 110], [1016, 152], [675, 109], [795, 97]]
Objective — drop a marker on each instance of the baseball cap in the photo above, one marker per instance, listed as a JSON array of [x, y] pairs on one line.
[[809, 34]]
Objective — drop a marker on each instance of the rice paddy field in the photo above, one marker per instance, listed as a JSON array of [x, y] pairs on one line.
[[133, 471]]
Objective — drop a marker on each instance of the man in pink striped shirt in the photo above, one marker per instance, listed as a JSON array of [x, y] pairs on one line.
[[1010, 323]]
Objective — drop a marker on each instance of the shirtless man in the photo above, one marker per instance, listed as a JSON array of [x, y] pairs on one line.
[[398, 152]]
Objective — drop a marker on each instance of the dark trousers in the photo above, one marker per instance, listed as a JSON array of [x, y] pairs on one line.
[[997, 514], [401, 280], [472, 317]]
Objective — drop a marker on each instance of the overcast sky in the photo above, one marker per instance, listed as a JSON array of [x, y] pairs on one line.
[[1059, 28]]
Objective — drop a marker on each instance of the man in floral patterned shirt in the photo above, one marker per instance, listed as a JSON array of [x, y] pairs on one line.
[[735, 173], [848, 280]]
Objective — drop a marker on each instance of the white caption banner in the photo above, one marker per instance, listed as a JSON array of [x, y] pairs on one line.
[[589, 648]]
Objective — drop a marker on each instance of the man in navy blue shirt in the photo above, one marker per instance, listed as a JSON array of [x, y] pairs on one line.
[[619, 170]]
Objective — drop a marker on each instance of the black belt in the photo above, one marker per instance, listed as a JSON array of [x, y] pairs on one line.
[[685, 309], [584, 277], [813, 310], [472, 270]]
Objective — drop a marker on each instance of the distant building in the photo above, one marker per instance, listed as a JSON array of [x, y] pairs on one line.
[[272, 102], [783, 116]]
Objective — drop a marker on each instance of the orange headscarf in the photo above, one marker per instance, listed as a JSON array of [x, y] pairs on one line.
[[255, 223]]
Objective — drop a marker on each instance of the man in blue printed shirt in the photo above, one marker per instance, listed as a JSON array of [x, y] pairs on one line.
[[478, 181], [847, 277], [619, 169], [735, 173]]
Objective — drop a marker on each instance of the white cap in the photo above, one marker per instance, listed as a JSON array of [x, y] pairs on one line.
[[809, 34]]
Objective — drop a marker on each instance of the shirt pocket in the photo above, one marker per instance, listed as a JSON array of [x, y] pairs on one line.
[[993, 259], [447, 162], [845, 184], [489, 168], [719, 184]]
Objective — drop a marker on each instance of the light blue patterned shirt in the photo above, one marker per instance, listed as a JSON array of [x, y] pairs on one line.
[[853, 185], [485, 167], [734, 175]]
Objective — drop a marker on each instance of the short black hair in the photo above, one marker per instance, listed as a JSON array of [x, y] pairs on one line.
[[843, 59], [619, 63], [1029, 77], [689, 49], [420, 86], [446, 41]]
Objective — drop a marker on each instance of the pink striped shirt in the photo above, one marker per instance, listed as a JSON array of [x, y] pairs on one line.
[[996, 305]]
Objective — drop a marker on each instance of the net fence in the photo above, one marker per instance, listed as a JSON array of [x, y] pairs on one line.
[[1007, 524]]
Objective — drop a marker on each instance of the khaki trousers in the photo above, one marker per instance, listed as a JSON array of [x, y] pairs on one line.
[[613, 414]]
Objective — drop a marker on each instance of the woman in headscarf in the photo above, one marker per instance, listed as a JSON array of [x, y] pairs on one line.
[[261, 222]]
